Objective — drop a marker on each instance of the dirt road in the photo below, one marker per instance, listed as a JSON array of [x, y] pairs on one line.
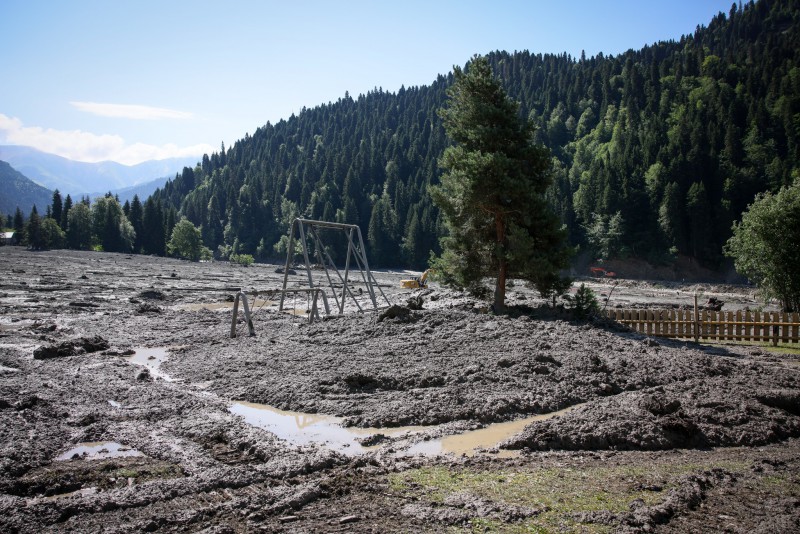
[[126, 406]]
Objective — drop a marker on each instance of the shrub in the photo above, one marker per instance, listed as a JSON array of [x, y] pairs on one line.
[[242, 259], [584, 303]]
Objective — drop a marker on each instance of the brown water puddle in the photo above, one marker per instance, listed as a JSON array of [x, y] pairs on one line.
[[484, 438], [224, 306], [151, 358], [98, 450], [306, 429]]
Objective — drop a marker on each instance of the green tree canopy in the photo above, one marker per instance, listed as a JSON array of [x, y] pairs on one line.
[[765, 245], [492, 192], [52, 234], [79, 227], [187, 241]]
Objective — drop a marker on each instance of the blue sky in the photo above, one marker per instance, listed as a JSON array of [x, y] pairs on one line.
[[131, 80]]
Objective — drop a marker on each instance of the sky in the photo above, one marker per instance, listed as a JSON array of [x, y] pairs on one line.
[[135, 80]]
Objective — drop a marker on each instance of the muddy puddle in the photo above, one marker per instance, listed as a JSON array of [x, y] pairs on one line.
[[308, 429], [151, 358], [255, 305], [469, 443], [99, 450]]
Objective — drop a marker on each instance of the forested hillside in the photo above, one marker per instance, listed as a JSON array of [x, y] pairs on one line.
[[655, 151], [17, 191]]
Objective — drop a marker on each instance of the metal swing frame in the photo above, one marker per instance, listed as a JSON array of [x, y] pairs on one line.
[[304, 228]]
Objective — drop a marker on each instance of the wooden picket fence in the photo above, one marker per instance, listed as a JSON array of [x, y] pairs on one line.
[[711, 325]]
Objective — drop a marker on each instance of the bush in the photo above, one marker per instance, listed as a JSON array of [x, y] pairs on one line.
[[242, 259], [584, 303]]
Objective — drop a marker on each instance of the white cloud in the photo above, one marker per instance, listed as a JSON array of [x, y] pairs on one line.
[[129, 111], [85, 146]]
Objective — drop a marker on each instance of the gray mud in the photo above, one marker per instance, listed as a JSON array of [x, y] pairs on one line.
[[448, 367]]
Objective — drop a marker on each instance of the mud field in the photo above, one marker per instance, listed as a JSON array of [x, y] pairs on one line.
[[125, 406]]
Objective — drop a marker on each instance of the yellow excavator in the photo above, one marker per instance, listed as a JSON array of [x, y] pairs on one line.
[[417, 282]]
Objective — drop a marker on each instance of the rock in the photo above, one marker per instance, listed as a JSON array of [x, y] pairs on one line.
[[348, 519]]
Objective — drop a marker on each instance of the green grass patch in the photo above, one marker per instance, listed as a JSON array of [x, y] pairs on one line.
[[781, 348], [559, 492]]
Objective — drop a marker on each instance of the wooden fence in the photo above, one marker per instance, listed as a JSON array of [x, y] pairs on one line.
[[711, 325]]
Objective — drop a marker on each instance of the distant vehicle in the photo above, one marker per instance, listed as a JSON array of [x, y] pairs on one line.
[[599, 271], [416, 282]]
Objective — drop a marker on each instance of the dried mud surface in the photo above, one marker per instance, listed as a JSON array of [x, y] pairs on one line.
[[710, 432]]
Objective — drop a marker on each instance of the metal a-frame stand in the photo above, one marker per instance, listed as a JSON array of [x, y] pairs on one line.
[[355, 249]]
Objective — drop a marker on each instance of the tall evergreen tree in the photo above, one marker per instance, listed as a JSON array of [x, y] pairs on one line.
[[154, 238], [19, 225], [33, 230], [135, 217], [57, 208], [65, 212], [492, 193]]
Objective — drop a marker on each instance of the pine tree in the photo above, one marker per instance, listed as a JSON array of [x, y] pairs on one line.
[[57, 209], [65, 213], [492, 193], [135, 217], [19, 225], [33, 230]]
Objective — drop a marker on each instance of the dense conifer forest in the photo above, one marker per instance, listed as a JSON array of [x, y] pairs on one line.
[[655, 152]]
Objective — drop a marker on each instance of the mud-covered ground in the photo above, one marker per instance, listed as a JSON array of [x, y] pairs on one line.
[[131, 358]]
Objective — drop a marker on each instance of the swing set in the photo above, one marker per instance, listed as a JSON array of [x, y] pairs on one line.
[[356, 258]]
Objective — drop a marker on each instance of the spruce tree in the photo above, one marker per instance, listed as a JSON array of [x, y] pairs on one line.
[[57, 208], [33, 231], [492, 192], [65, 213]]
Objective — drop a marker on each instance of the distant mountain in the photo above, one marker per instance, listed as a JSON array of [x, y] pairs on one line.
[[77, 178], [18, 190], [127, 193]]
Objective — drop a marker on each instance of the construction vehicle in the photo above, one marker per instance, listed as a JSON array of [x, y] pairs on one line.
[[417, 282], [599, 271]]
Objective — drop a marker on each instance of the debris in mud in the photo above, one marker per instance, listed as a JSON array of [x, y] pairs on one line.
[[153, 294], [147, 307], [374, 439], [144, 375], [401, 314], [77, 304], [73, 347], [415, 303]]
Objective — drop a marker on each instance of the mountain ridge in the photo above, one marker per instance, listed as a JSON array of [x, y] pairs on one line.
[[78, 178], [21, 192]]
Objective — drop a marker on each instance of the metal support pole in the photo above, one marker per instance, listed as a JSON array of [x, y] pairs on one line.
[[289, 254], [247, 315]]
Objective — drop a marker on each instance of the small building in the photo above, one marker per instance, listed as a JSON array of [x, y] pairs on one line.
[[8, 238]]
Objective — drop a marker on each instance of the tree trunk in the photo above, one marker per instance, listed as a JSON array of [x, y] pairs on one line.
[[502, 273]]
